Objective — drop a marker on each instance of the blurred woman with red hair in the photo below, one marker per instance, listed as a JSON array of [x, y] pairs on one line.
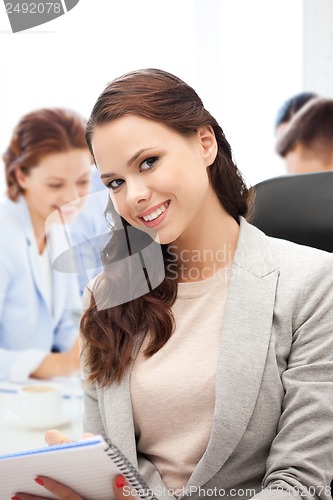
[[47, 166]]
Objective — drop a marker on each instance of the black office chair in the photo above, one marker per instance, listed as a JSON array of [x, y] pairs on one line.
[[298, 208]]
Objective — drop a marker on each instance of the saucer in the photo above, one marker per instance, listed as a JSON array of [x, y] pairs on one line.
[[13, 418]]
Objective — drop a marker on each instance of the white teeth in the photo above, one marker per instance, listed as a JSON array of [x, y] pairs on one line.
[[155, 214]]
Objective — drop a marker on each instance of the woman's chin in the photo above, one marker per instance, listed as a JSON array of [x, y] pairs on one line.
[[62, 217], [70, 216]]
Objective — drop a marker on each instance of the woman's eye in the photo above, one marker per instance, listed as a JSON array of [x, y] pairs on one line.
[[148, 163], [115, 183], [55, 186]]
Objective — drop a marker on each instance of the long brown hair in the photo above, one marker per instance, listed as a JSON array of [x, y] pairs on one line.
[[110, 334], [39, 133]]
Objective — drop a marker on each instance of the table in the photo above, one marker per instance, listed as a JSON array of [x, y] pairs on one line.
[[15, 437]]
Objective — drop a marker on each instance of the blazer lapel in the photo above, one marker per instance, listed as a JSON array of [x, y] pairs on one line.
[[36, 271], [56, 244], [21, 212], [244, 345]]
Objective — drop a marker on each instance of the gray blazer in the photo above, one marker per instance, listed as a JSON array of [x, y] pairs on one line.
[[272, 434]]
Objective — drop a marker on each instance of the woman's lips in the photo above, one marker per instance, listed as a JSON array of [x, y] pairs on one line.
[[155, 215]]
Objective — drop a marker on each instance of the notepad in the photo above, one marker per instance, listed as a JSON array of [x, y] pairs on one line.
[[87, 466]]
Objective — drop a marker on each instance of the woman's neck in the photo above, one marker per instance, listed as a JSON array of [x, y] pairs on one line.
[[207, 246], [41, 244], [39, 232]]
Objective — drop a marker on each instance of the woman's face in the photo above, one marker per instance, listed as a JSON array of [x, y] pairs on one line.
[[157, 177], [58, 179]]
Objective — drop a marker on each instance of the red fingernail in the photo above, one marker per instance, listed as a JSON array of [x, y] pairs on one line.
[[39, 481], [16, 498], [120, 481]]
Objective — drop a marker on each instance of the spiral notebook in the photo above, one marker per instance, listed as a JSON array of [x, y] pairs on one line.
[[87, 466]]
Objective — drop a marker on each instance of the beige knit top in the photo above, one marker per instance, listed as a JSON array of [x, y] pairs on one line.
[[173, 391]]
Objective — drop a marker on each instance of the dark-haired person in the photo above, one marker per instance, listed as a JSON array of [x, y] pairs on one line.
[[218, 382], [307, 143], [47, 166], [289, 108]]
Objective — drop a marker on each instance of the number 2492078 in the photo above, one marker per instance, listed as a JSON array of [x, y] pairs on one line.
[[33, 8]]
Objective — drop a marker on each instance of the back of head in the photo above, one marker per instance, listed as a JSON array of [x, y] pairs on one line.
[[40, 133], [162, 97], [291, 106], [311, 129]]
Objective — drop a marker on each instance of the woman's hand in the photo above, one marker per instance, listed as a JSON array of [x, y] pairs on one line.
[[65, 493], [59, 363], [62, 491], [54, 436]]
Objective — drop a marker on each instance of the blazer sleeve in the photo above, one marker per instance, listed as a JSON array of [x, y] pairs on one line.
[[7, 260], [15, 364], [92, 420], [65, 333], [67, 329], [300, 462]]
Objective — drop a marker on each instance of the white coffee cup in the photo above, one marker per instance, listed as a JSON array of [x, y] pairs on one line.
[[40, 404]]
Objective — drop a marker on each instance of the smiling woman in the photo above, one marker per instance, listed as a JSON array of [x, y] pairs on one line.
[[59, 183], [47, 166], [157, 182], [214, 380]]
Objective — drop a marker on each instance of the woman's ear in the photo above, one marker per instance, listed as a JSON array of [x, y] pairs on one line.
[[208, 144], [21, 177]]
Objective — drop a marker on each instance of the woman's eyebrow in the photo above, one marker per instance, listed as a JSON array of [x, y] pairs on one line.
[[137, 154], [130, 161]]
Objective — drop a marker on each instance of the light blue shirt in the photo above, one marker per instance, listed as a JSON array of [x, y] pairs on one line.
[[90, 232], [29, 330]]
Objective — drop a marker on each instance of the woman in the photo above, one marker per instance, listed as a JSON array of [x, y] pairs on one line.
[[47, 166], [218, 381]]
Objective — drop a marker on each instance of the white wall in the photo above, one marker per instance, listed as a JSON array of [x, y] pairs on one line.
[[250, 59], [244, 59], [318, 46]]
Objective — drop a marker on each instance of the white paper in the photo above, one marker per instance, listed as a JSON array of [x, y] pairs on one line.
[[84, 466]]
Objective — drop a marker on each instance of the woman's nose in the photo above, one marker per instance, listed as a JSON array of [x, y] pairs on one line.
[[137, 191], [71, 193]]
